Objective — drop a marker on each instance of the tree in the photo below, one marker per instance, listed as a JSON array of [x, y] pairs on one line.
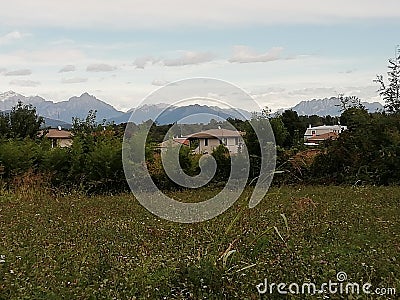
[[294, 126], [24, 122], [85, 126], [4, 125], [279, 129], [390, 92], [348, 102]]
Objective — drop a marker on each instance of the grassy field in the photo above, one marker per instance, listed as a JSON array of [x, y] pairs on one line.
[[109, 247]]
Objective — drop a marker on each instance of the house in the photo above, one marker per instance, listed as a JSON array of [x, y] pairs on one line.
[[59, 138], [210, 139], [175, 142], [317, 135]]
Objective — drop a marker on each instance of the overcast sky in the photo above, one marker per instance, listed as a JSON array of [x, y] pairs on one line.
[[281, 52]]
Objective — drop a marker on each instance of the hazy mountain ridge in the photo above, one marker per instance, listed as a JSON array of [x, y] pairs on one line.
[[61, 113], [64, 110], [329, 106]]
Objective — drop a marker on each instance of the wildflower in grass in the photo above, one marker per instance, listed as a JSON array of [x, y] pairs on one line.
[[2, 258]]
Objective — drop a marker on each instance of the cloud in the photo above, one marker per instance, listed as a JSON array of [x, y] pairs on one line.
[[158, 82], [67, 68], [100, 68], [186, 58], [244, 54], [25, 83], [12, 37], [319, 92], [131, 14], [189, 58], [74, 80], [21, 72], [2, 70], [141, 62]]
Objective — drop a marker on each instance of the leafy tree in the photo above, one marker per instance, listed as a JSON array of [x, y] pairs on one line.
[[347, 102], [294, 126], [4, 124], [279, 129], [390, 92], [223, 159], [85, 126], [23, 121]]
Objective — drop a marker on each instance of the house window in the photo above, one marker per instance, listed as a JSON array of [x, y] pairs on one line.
[[205, 142], [313, 132], [224, 141], [236, 141]]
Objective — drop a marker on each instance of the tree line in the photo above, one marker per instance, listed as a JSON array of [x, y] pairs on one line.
[[367, 153]]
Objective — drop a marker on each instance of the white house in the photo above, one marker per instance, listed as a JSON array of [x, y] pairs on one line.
[[318, 134], [212, 138]]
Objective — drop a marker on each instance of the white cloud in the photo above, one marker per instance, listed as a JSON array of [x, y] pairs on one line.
[[189, 58], [142, 62], [244, 54], [12, 37], [67, 68], [326, 91], [151, 14], [184, 59], [2, 70], [100, 68], [74, 80], [25, 83], [21, 72], [158, 82], [44, 56]]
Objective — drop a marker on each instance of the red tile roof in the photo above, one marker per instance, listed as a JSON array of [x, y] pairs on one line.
[[323, 137], [216, 133], [58, 134]]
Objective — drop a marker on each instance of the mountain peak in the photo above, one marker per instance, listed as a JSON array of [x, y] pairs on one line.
[[329, 106], [86, 94], [8, 94]]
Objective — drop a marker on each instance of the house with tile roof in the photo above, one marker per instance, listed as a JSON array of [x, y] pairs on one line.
[[208, 140], [318, 134]]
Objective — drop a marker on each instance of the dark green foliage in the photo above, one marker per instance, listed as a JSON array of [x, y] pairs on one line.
[[223, 159], [295, 128], [390, 92], [369, 152], [21, 122], [19, 156]]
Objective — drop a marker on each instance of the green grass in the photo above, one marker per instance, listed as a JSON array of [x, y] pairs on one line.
[[110, 247]]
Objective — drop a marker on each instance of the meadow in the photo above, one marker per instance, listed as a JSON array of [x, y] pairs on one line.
[[72, 246]]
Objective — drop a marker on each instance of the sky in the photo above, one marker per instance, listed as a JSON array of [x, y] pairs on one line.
[[280, 52]]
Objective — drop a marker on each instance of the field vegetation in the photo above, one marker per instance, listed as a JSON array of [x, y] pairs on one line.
[[75, 246]]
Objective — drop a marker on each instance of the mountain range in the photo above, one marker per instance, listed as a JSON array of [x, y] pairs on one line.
[[329, 106], [61, 113]]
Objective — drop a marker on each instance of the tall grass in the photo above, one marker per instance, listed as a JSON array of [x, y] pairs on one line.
[[57, 246]]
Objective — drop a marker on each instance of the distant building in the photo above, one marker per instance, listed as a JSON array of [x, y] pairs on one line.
[[175, 142], [212, 138], [317, 135], [59, 138]]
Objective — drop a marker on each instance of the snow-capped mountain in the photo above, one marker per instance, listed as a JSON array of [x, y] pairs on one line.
[[162, 113], [167, 114], [64, 110], [329, 106], [10, 99]]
